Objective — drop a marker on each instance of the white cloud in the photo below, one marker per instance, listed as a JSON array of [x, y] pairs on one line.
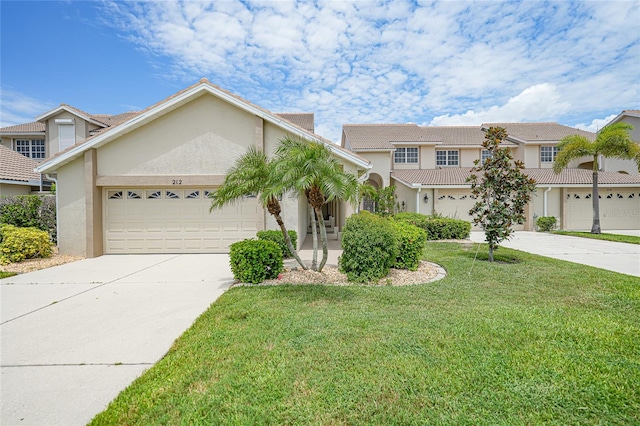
[[440, 63], [596, 124], [19, 108]]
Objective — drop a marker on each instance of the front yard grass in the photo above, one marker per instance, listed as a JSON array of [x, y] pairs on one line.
[[525, 340], [631, 239], [6, 274]]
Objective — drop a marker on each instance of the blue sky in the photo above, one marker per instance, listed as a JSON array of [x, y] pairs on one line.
[[430, 63]]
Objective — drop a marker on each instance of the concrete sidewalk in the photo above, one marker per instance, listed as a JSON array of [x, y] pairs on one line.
[[75, 335], [618, 257]]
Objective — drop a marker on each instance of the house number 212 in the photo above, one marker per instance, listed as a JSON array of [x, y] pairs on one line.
[[176, 181]]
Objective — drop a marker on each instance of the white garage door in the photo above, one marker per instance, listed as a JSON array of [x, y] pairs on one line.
[[619, 209], [170, 220], [456, 203]]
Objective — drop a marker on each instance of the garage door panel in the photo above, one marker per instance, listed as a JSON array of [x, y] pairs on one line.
[[174, 221], [619, 209]]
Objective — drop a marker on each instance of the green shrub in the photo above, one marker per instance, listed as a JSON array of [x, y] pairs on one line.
[[30, 211], [369, 247], [415, 219], [448, 229], [411, 242], [546, 223], [18, 244], [253, 261], [278, 238]]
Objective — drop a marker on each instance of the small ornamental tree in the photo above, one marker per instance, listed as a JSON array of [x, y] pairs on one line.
[[502, 191]]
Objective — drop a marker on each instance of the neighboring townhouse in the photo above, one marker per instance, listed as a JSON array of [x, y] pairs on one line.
[[21, 148], [139, 182], [429, 167], [632, 117]]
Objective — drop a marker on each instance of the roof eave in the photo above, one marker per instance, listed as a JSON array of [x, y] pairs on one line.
[[61, 108]]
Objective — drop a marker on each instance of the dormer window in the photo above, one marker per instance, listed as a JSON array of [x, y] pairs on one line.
[[548, 154], [66, 133], [406, 156]]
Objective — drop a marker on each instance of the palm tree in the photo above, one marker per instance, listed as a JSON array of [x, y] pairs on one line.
[[309, 167], [613, 141], [253, 174], [364, 190]]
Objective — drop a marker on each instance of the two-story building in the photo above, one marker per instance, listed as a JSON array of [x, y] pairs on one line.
[[429, 167]]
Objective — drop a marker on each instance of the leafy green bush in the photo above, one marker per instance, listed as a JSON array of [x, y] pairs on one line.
[[546, 223], [30, 211], [369, 247], [253, 261], [415, 219], [18, 244], [411, 242], [278, 238], [448, 229]]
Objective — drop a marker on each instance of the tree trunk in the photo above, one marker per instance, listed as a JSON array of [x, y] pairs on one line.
[[314, 235], [595, 199], [287, 240], [490, 253], [323, 237]]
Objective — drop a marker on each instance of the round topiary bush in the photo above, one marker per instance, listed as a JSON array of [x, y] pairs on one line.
[[369, 247], [278, 238], [253, 261], [18, 244], [411, 244]]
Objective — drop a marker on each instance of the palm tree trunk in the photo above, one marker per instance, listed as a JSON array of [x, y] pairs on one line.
[[323, 237], [595, 202], [314, 235], [287, 240]]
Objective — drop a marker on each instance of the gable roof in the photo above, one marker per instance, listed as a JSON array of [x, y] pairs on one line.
[[16, 167], [625, 113], [177, 100], [73, 110], [539, 132], [363, 137], [457, 177], [26, 128]]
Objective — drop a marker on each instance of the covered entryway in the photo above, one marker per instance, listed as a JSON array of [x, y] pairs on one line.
[[619, 209], [171, 220]]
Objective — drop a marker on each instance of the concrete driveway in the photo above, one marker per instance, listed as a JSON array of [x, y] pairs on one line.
[[617, 257], [73, 336]]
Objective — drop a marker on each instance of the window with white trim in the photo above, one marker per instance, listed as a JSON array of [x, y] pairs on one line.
[[485, 155], [32, 148], [406, 155], [548, 154], [447, 157]]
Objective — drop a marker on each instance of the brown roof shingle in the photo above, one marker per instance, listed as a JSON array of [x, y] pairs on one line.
[[540, 132], [306, 120], [15, 166], [459, 175], [34, 127]]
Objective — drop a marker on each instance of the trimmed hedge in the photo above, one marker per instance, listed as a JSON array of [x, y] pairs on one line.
[[546, 223], [18, 244], [369, 247], [278, 238], [253, 261], [29, 211], [411, 244], [437, 227]]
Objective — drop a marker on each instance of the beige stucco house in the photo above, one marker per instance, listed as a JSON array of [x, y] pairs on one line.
[[139, 182], [429, 167]]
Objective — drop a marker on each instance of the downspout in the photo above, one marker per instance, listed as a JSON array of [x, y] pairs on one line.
[[54, 180], [418, 200], [40, 182], [544, 201]]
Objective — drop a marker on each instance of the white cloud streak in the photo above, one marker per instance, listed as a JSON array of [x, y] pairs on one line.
[[19, 108], [369, 61]]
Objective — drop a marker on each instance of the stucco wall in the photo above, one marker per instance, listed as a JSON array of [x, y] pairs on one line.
[[381, 162], [8, 189], [531, 156], [72, 208], [406, 195], [554, 202], [6, 142], [468, 156]]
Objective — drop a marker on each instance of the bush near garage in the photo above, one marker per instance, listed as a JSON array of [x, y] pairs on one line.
[[437, 227], [18, 244], [253, 261], [278, 238], [30, 211], [411, 242], [369, 247], [546, 223]]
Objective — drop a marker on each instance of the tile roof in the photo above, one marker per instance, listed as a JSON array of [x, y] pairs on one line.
[[15, 166], [632, 111], [381, 136], [34, 127], [459, 175], [305, 120], [539, 132], [113, 120]]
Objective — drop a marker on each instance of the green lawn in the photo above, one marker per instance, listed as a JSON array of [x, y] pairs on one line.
[[6, 274], [607, 237], [527, 340]]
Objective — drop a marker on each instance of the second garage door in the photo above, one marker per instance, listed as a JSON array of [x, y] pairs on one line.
[[170, 220]]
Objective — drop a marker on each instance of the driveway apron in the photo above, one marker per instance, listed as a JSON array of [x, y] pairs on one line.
[[613, 256], [73, 336]]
